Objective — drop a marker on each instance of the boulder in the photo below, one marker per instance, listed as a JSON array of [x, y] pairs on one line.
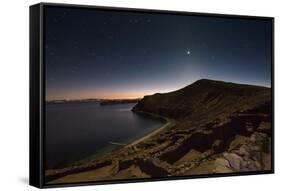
[[222, 166], [234, 160]]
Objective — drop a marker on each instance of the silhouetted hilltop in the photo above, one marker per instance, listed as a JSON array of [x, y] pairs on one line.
[[205, 98]]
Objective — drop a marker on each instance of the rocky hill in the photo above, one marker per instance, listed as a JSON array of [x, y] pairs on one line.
[[206, 98]]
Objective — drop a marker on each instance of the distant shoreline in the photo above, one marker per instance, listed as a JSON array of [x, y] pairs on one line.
[[101, 101]]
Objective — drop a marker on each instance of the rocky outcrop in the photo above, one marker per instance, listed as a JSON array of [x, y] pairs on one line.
[[216, 137], [252, 156]]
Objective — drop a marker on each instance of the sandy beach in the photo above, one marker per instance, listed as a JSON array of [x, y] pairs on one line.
[[169, 123]]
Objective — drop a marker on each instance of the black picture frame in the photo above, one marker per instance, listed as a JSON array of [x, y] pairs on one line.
[[37, 94]]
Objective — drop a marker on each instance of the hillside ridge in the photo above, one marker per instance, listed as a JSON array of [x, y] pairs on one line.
[[205, 97]]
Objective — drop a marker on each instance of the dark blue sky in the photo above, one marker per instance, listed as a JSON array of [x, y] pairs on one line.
[[111, 54]]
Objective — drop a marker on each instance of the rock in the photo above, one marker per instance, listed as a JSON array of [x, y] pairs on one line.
[[222, 162], [258, 137], [264, 127], [222, 166], [242, 151], [255, 166], [217, 145], [222, 169], [258, 165], [249, 127], [259, 142], [234, 160], [248, 157]]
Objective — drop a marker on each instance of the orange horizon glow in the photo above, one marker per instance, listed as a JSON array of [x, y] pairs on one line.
[[75, 96], [62, 94]]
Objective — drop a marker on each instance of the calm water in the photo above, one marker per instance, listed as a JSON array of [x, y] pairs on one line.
[[75, 131]]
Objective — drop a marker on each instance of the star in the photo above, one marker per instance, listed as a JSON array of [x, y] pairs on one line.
[[188, 51]]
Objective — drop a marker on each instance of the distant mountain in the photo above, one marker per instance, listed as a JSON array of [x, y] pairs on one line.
[[118, 101], [206, 98], [73, 101]]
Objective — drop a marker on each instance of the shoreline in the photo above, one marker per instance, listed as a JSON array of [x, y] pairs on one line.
[[169, 123]]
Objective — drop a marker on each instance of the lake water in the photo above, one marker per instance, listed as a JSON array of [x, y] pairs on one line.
[[75, 131]]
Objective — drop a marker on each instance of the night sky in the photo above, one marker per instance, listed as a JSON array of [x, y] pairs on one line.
[[111, 54]]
